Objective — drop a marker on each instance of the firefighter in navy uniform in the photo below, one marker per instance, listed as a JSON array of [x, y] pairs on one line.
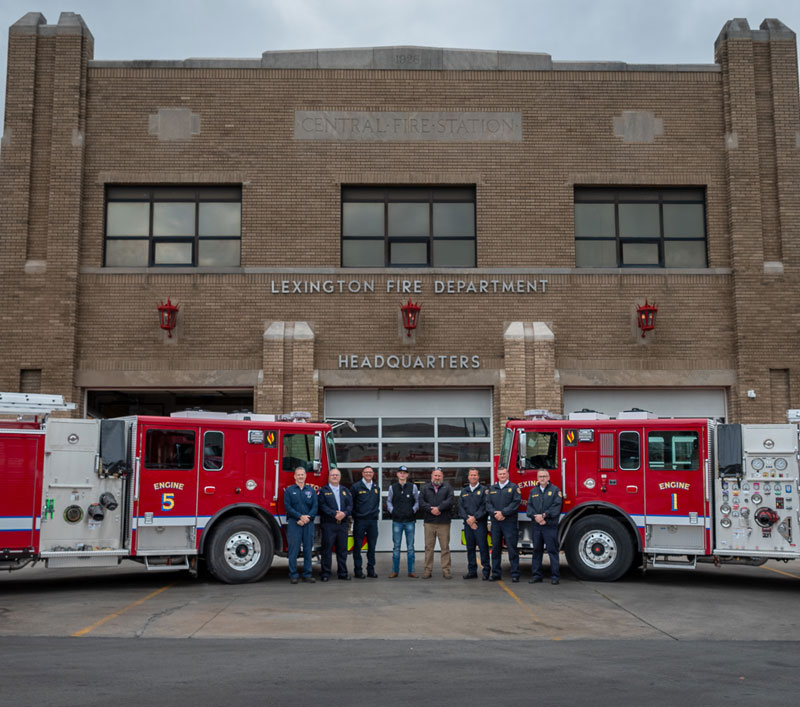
[[300, 501], [472, 510], [366, 508], [335, 508], [544, 509], [502, 503]]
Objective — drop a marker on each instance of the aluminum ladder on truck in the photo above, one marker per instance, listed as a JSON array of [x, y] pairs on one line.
[[32, 404]]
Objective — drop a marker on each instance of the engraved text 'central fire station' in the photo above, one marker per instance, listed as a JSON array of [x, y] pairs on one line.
[[385, 126]]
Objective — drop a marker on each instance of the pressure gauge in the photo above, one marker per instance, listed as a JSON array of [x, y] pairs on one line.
[[781, 464], [757, 463]]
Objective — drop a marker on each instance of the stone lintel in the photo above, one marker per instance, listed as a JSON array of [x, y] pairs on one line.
[[515, 331], [714, 378], [403, 378], [88, 378]]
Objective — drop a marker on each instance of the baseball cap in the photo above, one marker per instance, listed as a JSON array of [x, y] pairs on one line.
[[403, 468]]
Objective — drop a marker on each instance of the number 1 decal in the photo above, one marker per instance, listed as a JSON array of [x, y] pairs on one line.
[[674, 501]]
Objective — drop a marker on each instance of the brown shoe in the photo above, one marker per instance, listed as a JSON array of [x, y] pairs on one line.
[[446, 575], [427, 575], [413, 575], [393, 575]]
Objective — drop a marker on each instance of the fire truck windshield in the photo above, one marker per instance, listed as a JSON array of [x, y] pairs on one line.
[[541, 450], [505, 448], [331, 450]]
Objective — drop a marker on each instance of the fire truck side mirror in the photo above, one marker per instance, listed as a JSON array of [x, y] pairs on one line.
[[521, 447], [317, 452]]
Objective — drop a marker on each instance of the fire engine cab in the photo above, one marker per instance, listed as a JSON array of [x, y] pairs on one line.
[[660, 492], [164, 491]]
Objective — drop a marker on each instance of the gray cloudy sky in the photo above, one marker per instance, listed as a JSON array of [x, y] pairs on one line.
[[635, 31]]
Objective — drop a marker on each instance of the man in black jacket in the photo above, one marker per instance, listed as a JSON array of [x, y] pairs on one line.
[[436, 500], [472, 510], [335, 507], [502, 503], [544, 509], [366, 508], [403, 502]]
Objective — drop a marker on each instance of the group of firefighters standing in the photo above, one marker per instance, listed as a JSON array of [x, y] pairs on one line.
[[477, 505]]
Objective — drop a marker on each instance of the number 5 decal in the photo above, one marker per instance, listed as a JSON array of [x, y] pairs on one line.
[[167, 501]]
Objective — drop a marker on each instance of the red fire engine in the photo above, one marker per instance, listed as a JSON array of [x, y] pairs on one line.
[[660, 492], [164, 491]]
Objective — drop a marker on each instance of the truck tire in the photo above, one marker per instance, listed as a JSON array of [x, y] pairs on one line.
[[599, 549], [240, 550]]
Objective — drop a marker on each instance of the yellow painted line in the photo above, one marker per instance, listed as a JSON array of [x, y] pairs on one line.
[[786, 574], [105, 619], [525, 608]]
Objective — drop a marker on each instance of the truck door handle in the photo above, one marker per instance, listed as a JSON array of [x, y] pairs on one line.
[[209, 490], [633, 489]]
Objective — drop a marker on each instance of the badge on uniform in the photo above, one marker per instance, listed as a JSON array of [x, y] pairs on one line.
[[549, 493], [477, 493]]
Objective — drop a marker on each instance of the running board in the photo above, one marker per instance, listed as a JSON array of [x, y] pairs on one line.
[[168, 565], [664, 561]]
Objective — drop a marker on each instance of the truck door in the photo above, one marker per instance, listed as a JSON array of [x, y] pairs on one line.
[[21, 456], [675, 514], [299, 449], [609, 468], [166, 512]]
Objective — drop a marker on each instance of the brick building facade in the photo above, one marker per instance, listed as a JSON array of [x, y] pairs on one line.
[[289, 205]]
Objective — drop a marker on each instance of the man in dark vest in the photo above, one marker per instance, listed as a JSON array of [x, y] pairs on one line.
[[335, 507], [436, 499], [403, 502], [472, 510], [366, 508]]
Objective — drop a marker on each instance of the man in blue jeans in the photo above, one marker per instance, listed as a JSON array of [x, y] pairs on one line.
[[300, 501], [403, 503]]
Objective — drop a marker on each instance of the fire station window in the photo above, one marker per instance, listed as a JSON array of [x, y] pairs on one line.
[[541, 450], [408, 227], [298, 450], [673, 450], [629, 450], [169, 449], [213, 450], [177, 226], [640, 228]]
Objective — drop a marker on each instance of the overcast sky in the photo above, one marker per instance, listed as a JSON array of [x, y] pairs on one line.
[[634, 31]]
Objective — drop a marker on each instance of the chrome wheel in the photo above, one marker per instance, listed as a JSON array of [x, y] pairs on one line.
[[242, 551], [597, 549]]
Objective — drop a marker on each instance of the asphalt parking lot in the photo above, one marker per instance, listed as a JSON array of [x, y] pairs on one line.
[[710, 603]]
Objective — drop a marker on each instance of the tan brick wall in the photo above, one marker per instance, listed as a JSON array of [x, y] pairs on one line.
[[73, 129]]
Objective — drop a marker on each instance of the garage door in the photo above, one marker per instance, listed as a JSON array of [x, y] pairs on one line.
[[422, 429], [664, 402]]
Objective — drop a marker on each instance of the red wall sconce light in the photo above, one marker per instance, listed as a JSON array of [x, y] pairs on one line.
[[168, 316], [646, 317], [410, 314]]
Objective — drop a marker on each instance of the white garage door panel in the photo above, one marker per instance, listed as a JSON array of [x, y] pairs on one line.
[[664, 402], [426, 417]]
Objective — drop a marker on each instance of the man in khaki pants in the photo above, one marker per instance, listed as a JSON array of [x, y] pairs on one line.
[[436, 499]]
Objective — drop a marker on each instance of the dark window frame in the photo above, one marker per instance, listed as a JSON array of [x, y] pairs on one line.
[[156, 194], [583, 195], [411, 194]]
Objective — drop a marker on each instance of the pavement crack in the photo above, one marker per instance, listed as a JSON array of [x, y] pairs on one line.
[[159, 615], [634, 614], [210, 619]]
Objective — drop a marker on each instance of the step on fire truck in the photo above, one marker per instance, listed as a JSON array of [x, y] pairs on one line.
[[164, 491], [660, 492]]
